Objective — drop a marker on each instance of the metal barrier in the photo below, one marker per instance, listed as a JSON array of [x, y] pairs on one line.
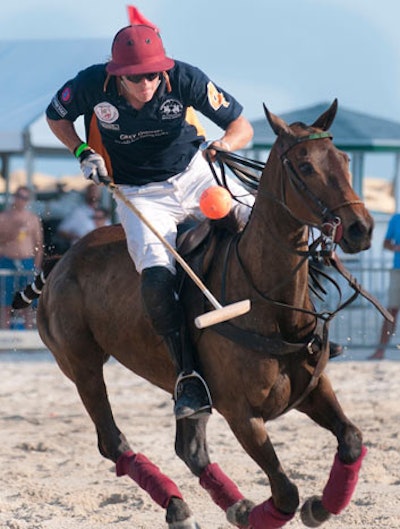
[[11, 281], [359, 324], [356, 326]]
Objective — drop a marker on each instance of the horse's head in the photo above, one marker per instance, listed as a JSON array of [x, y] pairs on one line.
[[313, 181]]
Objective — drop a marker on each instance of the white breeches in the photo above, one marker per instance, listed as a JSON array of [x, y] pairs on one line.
[[165, 205]]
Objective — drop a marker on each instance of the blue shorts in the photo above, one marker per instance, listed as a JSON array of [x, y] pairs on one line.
[[10, 283]]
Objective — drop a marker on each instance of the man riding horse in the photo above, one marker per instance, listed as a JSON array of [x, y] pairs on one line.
[[140, 100]]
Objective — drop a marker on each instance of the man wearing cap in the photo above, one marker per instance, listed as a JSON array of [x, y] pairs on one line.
[[140, 101]]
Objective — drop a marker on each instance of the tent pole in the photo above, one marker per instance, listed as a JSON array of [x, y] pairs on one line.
[[29, 158], [396, 182]]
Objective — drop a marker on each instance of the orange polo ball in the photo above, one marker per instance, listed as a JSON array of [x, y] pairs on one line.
[[215, 202]]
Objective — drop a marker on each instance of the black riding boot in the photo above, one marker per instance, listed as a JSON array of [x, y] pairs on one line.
[[191, 395]]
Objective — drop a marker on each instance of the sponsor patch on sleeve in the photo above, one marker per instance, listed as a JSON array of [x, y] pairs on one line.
[[66, 94], [61, 111], [215, 98]]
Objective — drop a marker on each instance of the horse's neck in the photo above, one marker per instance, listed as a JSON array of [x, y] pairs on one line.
[[271, 250]]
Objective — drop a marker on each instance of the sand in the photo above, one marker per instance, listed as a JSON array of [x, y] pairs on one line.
[[53, 477]]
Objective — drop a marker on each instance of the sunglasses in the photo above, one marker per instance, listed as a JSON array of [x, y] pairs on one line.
[[22, 197], [139, 77]]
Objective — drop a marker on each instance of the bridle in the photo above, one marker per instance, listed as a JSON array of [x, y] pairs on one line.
[[249, 172], [331, 223]]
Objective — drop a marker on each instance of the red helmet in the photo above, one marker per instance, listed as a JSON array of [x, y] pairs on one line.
[[138, 49]]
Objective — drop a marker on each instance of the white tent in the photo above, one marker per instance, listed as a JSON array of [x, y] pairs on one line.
[[32, 71]]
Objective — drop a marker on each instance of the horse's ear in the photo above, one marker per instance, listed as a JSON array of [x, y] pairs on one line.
[[326, 119], [277, 124]]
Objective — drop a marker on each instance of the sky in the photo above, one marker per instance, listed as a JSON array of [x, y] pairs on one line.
[[287, 54]]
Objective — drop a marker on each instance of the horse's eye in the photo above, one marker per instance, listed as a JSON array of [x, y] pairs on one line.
[[306, 168]]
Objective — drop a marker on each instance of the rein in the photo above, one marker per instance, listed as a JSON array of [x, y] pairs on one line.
[[249, 171]]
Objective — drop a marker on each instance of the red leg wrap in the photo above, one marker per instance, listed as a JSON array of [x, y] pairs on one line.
[[341, 484], [148, 476], [222, 489], [266, 515]]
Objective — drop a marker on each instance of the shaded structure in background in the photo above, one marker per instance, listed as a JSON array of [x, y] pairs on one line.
[[356, 133], [46, 63], [24, 132]]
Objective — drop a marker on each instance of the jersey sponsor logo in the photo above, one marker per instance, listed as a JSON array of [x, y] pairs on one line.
[[109, 126], [106, 112], [215, 98], [125, 139], [61, 111], [66, 94], [171, 109]]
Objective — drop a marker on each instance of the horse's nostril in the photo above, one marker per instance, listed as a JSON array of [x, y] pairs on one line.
[[359, 230]]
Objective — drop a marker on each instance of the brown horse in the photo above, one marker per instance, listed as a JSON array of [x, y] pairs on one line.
[[257, 367]]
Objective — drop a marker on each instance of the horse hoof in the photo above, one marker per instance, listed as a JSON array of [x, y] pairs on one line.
[[179, 516], [313, 513], [238, 513], [188, 523]]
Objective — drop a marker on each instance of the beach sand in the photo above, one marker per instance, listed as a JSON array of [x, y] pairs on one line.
[[53, 476]]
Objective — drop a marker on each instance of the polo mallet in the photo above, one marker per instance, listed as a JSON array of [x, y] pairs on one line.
[[219, 313]]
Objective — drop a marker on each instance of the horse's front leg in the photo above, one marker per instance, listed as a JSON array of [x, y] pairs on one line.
[[191, 447], [323, 407], [281, 507]]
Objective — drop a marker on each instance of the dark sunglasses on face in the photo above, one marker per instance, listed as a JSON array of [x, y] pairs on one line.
[[139, 77]]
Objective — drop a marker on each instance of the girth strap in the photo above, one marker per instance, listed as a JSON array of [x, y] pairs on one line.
[[273, 345]]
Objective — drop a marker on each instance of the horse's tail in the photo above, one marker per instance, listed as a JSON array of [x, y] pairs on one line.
[[24, 298]]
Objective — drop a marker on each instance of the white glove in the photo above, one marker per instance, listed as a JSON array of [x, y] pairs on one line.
[[93, 167]]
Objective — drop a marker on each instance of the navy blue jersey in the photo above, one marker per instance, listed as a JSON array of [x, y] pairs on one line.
[[156, 142]]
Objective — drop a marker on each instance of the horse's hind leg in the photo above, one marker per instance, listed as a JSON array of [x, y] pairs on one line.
[[87, 373], [323, 407]]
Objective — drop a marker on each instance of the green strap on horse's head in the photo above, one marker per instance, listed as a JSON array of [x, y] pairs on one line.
[[285, 146]]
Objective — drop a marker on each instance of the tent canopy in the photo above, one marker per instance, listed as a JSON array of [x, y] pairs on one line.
[[353, 132], [32, 71]]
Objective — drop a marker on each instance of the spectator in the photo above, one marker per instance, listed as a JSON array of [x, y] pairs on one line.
[[101, 217], [81, 221], [392, 243], [21, 248]]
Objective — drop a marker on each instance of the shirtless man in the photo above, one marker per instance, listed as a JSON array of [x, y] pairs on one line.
[[21, 248], [80, 220]]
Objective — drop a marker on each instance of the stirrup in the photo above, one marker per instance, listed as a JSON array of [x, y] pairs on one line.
[[206, 408]]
